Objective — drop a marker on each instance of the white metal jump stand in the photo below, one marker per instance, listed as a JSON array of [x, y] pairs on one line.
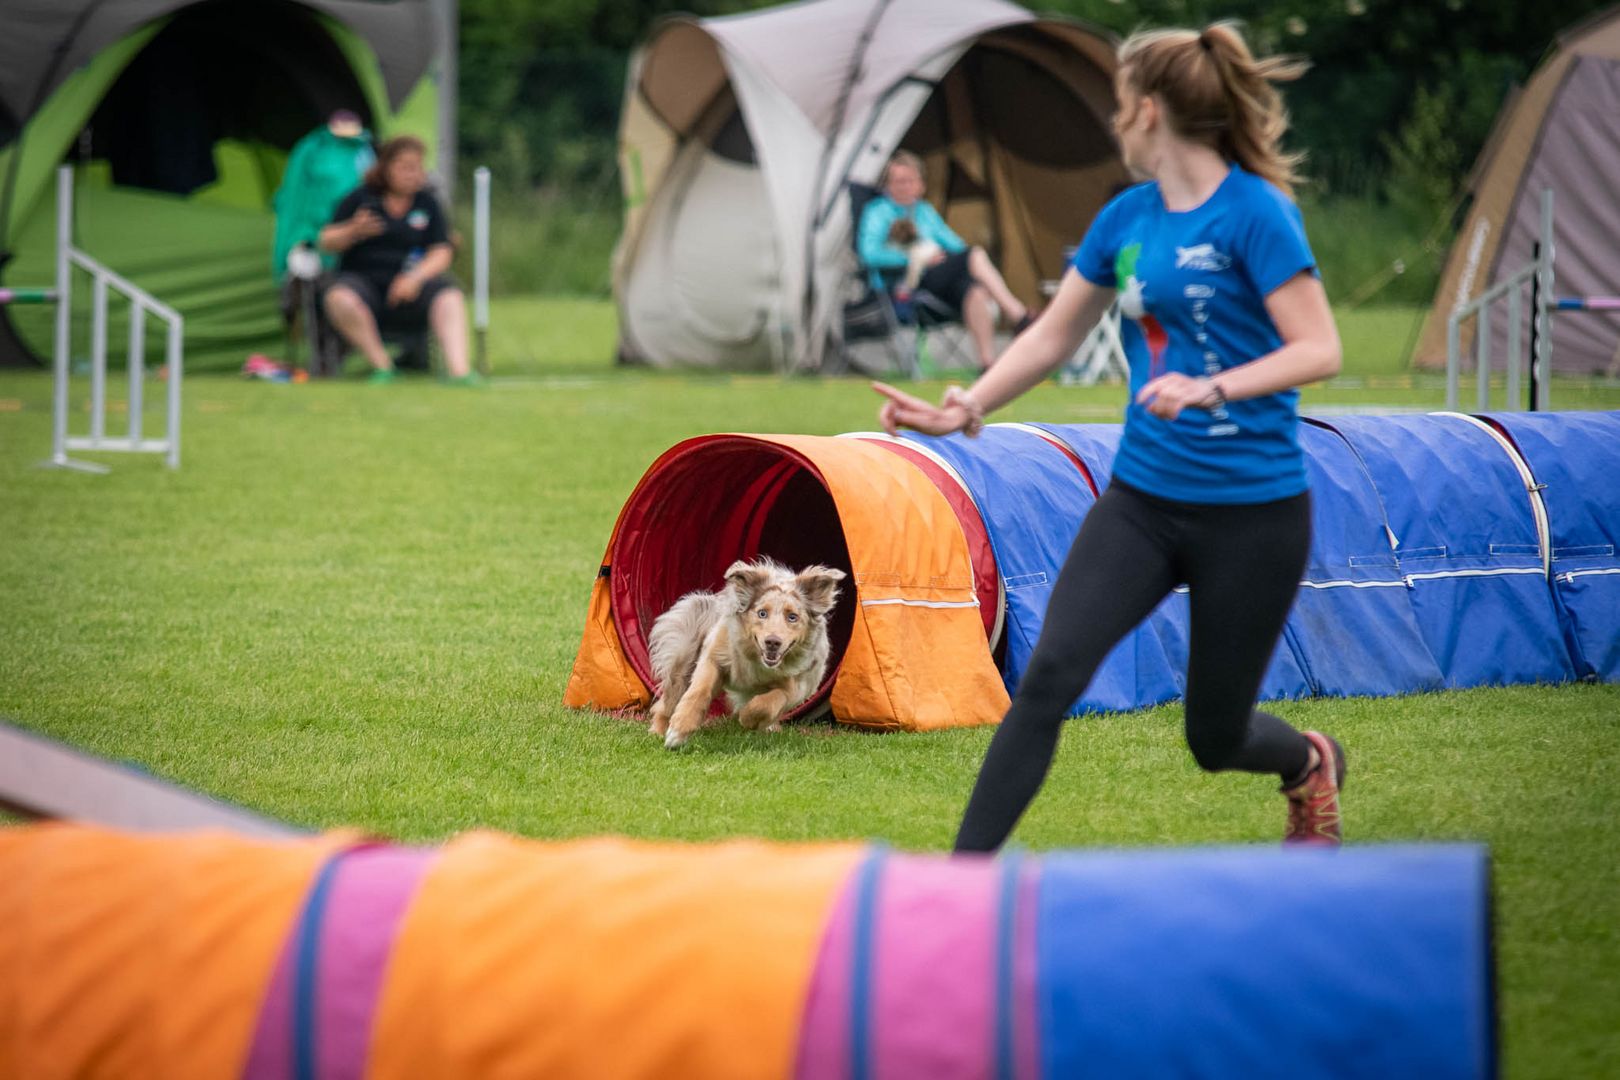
[[1538, 275], [1101, 356], [141, 302]]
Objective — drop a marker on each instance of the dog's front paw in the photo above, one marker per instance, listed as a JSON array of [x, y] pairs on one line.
[[754, 716], [777, 726], [658, 718], [683, 724]]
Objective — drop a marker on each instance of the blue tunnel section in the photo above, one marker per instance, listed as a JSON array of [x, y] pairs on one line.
[[1032, 497], [1464, 530], [1448, 551], [1575, 460], [1204, 963]]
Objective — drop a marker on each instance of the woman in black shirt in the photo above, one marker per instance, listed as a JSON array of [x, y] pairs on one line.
[[394, 254]]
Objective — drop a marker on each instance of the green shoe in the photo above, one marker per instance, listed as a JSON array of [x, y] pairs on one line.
[[472, 378], [382, 375]]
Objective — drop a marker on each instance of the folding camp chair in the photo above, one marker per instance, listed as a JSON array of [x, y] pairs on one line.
[[305, 322], [304, 314]]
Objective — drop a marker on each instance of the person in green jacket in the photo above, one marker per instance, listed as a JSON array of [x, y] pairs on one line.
[[324, 166], [962, 277]]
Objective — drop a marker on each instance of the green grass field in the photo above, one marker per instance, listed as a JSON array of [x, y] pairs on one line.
[[359, 605]]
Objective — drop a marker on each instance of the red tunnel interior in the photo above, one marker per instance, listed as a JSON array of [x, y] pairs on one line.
[[713, 500]]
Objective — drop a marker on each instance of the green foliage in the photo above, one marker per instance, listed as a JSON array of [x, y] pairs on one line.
[[1424, 160], [1361, 241], [542, 84], [551, 240]]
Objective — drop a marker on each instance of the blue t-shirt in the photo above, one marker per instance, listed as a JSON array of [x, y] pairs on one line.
[[1193, 284]]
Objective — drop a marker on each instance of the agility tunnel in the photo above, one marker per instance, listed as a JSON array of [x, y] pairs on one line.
[[1448, 551], [214, 955]]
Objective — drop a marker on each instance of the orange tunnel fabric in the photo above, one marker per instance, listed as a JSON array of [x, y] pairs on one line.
[[127, 955], [909, 639], [154, 956], [606, 958]]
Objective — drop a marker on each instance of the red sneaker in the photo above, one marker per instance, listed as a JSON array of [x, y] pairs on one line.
[[1313, 803]]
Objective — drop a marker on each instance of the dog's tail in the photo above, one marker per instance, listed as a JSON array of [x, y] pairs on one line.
[[677, 635]]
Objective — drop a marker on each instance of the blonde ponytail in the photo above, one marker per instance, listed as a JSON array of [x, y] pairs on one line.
[[1217, 92]]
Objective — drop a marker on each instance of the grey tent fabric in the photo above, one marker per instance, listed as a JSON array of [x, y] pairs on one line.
[[45, 40], [741, 134]]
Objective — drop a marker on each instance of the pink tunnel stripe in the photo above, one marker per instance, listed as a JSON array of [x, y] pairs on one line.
[[371, 889], [933, 976], [824, 1035]]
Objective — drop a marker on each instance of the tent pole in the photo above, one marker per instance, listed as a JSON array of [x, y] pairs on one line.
[[1541, 357], [851, 76], [481, 266], [446, 11]]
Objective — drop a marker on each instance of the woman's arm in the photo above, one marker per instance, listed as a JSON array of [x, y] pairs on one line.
[[1310, 351], [340, 236], [931, 225], [873, 239], [1032, 356], [435, 261]]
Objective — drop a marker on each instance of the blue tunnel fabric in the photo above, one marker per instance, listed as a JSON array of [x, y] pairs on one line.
[[1467, 545], [1353, 625], [1159, 648], [1265, 963], [1032, 500], [1352, 629], [1432, 541], [1574, 455]]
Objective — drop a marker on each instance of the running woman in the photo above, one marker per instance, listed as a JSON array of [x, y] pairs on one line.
[[1209, 257]]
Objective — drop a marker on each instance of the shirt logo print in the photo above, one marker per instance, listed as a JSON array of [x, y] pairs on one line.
[[1201, 257]]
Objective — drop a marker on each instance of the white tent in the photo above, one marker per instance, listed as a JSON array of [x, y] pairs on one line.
[[740, 135]]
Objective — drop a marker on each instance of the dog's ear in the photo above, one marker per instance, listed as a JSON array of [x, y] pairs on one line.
[[819, 587], [746, 580]]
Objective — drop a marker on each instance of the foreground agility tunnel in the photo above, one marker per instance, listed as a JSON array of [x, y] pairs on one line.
[[1448, 551], [210, 954]]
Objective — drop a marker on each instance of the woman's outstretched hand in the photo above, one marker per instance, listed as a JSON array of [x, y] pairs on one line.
[[903, 410]]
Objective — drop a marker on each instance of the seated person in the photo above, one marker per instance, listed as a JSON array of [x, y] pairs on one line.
[[393, 253], [961, 277]]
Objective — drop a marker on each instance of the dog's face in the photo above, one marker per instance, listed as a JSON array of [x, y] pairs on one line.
[[778, 608]]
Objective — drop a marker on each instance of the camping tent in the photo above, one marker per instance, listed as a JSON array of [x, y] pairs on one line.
[[1561, 132], [740, 135], [178, 116]]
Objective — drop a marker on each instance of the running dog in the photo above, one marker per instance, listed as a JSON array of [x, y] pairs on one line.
[[762, 639]]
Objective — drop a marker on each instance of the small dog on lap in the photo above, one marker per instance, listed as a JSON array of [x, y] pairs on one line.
[[762, 639]]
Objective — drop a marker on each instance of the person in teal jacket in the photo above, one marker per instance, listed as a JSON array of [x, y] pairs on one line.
[[961, 276], [324, 166]]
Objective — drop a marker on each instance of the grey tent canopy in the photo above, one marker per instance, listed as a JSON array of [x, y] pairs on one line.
[[741, 134]]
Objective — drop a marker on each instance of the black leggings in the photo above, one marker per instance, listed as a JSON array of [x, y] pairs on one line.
[[1242, 566]]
